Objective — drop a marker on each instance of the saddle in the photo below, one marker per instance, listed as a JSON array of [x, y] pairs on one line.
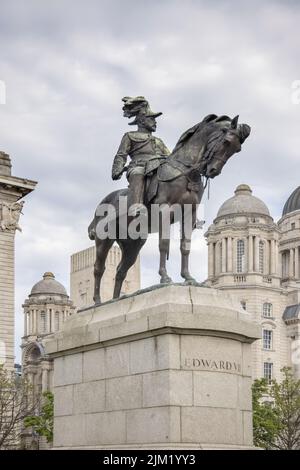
[[169, 171]]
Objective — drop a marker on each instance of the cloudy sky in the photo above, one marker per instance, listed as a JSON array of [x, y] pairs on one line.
[[66, 66]]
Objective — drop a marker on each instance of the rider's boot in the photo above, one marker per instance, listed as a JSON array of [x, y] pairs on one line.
[[136, 195]]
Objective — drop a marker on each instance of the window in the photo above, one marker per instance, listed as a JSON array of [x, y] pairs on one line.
[[244, 305], [43, 322], [285, 264], [261, 257], [268, 371], [240, 256], [293, 225], [56, 321], [267, 339], [267, 310]]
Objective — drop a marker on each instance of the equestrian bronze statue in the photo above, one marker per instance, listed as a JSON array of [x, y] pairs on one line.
[[160, 180]]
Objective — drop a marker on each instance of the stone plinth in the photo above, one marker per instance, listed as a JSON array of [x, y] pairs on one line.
[[166, 368]]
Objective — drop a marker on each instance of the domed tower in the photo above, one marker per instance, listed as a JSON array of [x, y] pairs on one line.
[[289, 246], [45, 311], [289, 250], [48, 306], [243, 242], [243, 258]]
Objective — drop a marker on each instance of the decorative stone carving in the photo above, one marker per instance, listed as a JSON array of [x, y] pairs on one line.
[[10, 215]]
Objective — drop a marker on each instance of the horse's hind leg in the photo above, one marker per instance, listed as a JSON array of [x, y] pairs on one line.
[[187, 227], [102, 249], [130, 251], [164, 248]]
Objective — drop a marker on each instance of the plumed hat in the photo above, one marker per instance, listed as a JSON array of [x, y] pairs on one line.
[[137, 106]]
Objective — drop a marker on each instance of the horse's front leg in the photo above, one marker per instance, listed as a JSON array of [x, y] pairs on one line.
[[97, 279], [164, 247], [102, 249], [187, 227]]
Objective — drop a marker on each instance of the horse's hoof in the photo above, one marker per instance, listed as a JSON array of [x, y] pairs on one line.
[[188, 279], [165, 280]]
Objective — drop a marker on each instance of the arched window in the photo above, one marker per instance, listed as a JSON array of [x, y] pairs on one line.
[[267, 310], [56, 321], [261, 256], [43, 322], [240, 265], [32, 354]]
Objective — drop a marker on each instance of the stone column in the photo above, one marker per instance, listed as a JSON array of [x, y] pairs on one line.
[[7, 280], [11, 190], [33, 321], [30, 327], [223, 255], [267, 256], [217, 259], [250, 253], [229, 255], [33, 330], [210, 259], [256, 254], [25, 323], [297, 262], [273, 257], [280, 265], [277, 258], [48, 313], [28, 322], [53, 320], [44, 380], [291, 263]]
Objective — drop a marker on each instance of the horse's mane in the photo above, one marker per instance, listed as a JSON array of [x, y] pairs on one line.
[[216, 124]]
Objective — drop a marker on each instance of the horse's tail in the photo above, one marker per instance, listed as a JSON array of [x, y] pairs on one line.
[[111, 198]]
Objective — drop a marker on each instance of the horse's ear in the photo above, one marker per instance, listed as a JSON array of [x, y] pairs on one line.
[[209, 117], [234, 122]]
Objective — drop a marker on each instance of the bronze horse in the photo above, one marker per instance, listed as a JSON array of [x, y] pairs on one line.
[[200, 154]]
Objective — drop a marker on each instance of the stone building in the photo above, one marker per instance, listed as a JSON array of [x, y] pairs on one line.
[[46, 309], [82, 276], [12, 189], [257, 261]]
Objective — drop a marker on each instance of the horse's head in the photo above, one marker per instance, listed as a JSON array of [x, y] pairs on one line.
[[224, 139]]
